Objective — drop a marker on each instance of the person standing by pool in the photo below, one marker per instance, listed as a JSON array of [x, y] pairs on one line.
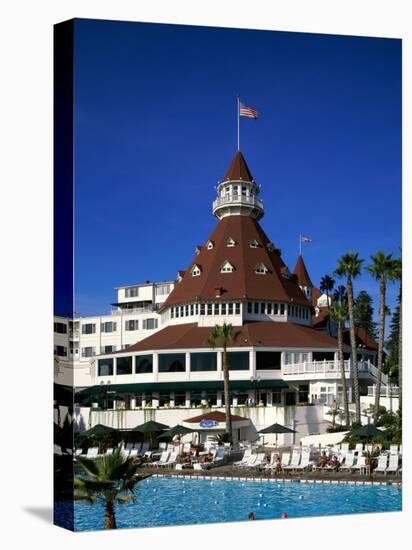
[[251, 516]]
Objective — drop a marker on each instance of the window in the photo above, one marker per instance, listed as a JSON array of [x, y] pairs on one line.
[[176, 312], [133, 324], [60, 328], [261, 269], [196, 271], [206, 361], [74, 349], [196, 309], [230, 309], [323, 355], [209, 309], [202, 309], [180, 399], [269, 309], [172, 362], [143, 364], [161, 290], [249, 307], [237, 309], [223, 309], [89, 328], [149, 324], [262, 308], [226, 267], [105, 367], [108, 327], [290, 398], [88, 352], [124, 365], [277, 397], [275, 309], [210, 245], [172, 312], [238, 360], [282, 309], [186, 311], [107, 349], [256, 308], [131, 292], [243, 190], [192, 310], [60, 351], [216, 309], [230, 242], [253, 244], [268, 360], [125, 346]]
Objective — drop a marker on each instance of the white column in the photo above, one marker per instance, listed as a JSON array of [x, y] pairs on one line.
[[187, 403], [252, 363], [187, 357], [133, 402], [172, 399], [155, 366], [219, 361], [155, 399]]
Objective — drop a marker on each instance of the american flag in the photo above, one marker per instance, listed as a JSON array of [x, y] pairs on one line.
[[248, 112], [305, 239]]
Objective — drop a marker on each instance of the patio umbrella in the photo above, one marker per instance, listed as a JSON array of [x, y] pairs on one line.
[[150, 427], [99, 430], [277, 429]]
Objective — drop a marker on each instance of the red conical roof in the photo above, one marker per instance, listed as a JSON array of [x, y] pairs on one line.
[[243, 283], [302, 273], [238, 169]]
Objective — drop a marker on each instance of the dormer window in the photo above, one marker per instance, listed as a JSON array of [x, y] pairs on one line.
[[254, 244], [261, 269], [210, 245], [230, 242], [270, 247], [198, 249], [227, 267], [196, 271], [180, 276]]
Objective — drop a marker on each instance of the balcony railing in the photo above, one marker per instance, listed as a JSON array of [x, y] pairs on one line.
[[135, 310], [330, 369], [238, 200], [386, 391]]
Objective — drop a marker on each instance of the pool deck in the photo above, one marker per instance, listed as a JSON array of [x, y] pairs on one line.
[[229, 472]]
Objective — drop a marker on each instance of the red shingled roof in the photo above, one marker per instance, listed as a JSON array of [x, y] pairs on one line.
[[238, 170], [302, 273], [363, 338], [243, 283], [257, 334], [214, 415]]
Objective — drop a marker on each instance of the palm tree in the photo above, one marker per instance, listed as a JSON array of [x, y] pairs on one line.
[[110, 479], [326, 285], [349, 266], [339, 313], [396, 275], [381, 269], [222, 335]]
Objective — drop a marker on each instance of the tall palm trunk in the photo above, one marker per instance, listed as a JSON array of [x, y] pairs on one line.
[[400, 349], [354, 359], [382, 290], [226, 392], [328, 324], [342, 373], [109, 518]]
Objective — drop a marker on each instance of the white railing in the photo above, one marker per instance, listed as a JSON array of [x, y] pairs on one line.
[[134, 311], [329, 369], [386, 391], [238, 199]]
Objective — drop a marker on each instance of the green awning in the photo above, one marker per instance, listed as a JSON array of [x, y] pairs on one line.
[[150, 387]]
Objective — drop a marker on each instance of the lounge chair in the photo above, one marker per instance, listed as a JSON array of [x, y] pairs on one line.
[[285, 461], [305, 463], [344, 448], [78, 452], [259, 462], [145, 447], [187, 447], [272, 462], [349, 462], [57, 450], [92, 452], [250, 462], [393, 449], [109, 451], [246, 455], [359, 448], [294, 462], [172, 460], [393, 465], [360, 466], [163, 459], [382, 465], [369, 448]]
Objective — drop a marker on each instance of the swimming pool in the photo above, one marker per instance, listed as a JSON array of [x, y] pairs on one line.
[[175, 501]]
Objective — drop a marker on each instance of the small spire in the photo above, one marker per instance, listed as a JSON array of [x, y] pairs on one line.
[[238, 169], [302, 273]]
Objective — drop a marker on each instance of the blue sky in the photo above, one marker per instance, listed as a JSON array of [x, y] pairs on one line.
[[155, 123]]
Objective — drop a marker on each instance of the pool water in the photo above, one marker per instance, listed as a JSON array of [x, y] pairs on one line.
[[176, 501]]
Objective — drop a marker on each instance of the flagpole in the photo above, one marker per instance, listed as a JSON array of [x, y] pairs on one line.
[[238, 125], [300, 245]]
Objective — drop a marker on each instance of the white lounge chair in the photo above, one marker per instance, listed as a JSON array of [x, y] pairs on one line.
[[382, 465], [344, 448], [272, 462], [294, 462], [393, 449], [349, 462], [246, 455], [163, 459], [172, 460], [259, 462], [187, 447], [305, 463], [92, 452], [393, 465], [285, 461], [251, 461], [359, 448], [109, 451], [360, 466], [145, 447]]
